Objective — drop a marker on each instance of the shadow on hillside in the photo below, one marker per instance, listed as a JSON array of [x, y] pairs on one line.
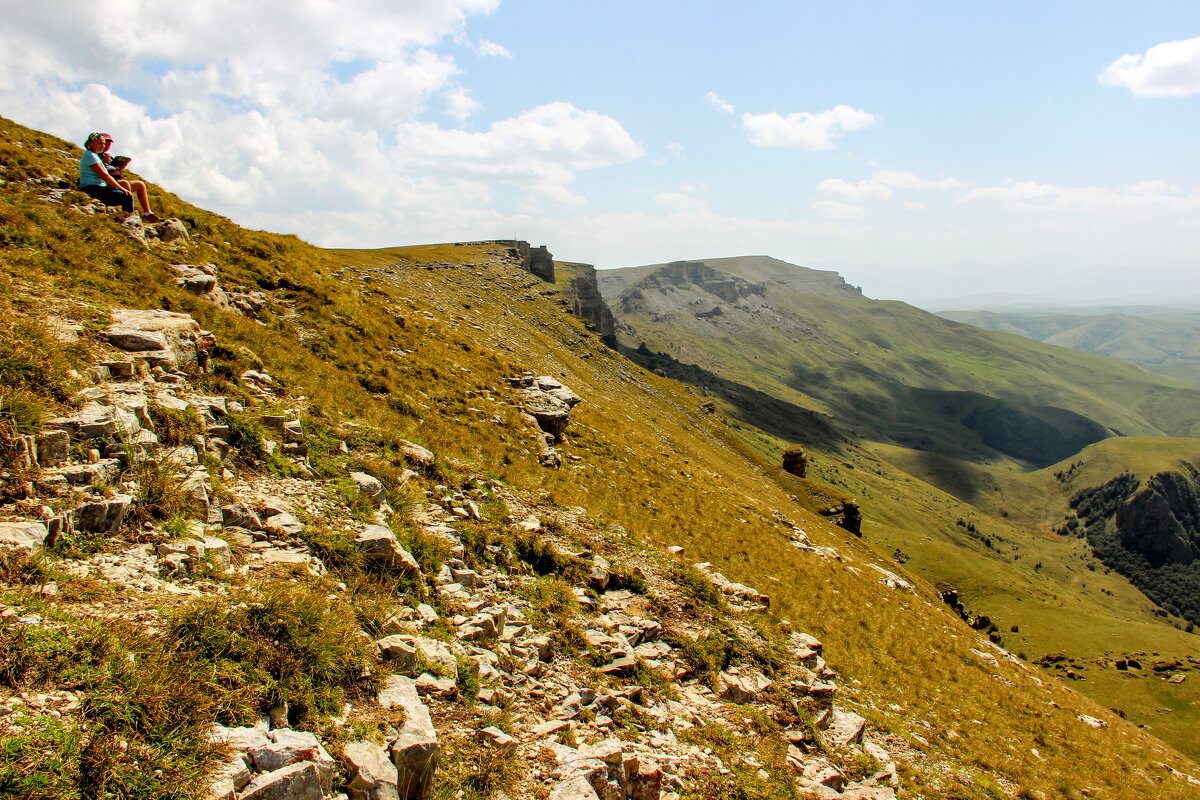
[[781, 419], [953, 424]]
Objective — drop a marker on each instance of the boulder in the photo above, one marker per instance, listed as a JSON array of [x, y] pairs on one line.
[[370, 486], [552, 414], [795, 461], [136, 330], [294, 782], [743, 687], [417, 455], [372, 775], [283, 524], [172, 230], [577, 788], [53, 448], [415, 751], [26, 536], [290, 747], [845, 728], [381, 549], [102, 516]]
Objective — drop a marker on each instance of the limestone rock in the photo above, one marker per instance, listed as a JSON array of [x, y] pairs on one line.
[[380, 548], [415, 751], [370, 486], [294, 782], [26, 536], [417, 455], [172, 230], [744, 687], [845, 728], [166, 332], [574, 789], [372, 774]]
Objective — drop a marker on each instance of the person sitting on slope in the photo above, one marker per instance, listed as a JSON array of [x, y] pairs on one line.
[[95, 180]]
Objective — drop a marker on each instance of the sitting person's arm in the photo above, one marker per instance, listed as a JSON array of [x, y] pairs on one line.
[[92, 163], [102, 173]]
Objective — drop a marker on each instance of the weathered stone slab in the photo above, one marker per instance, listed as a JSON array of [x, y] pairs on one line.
[[26, 536], [415, 752], [372, 774], [294, 782], [380, 547]]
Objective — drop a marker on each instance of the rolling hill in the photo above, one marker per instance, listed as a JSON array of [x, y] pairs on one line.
[[1163, 340]]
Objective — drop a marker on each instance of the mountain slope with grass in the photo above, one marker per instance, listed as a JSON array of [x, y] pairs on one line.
[[1164, 341], [415, 529], [947, 437]]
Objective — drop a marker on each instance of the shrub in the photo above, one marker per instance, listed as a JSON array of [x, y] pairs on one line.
[[291, 646], [176, 428], [135, 691]]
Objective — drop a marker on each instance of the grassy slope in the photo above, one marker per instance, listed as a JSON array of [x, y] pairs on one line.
[[855, 354], [648, 460], [1167, 343]]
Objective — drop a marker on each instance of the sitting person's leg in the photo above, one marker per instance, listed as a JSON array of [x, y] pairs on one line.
[[110, 196], [139, 190]]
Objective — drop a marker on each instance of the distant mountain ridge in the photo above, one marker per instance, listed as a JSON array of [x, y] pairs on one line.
[[1165, 341]]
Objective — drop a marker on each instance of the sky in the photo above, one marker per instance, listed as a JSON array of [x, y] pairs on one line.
[[922, 149]]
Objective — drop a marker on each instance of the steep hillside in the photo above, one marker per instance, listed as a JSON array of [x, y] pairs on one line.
[[1163, 341], [418, 552], [934, 427]]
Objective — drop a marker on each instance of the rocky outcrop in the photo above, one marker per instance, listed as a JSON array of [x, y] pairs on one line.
[[728, 288], [795, 461], [583, 297], [1162, 520]]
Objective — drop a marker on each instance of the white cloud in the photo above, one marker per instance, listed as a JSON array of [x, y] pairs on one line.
[[834, 209], [684, 199], [855, 191], [460, 104], [547, 142], [307, 117], [805, 130], [1143, 199], [675, 149], [1170, 69], [485, 48], [719, 103], [882, 184]]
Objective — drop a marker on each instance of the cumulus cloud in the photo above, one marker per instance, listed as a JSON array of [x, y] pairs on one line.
[[1142, 199], [1170, 69], [805, 130], [719, 103], [298, 116]]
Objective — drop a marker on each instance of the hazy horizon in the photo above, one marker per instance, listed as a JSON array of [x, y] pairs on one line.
[[936, 152]]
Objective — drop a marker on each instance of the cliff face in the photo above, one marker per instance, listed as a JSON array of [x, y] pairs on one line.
[[729, 288], [583, 294]]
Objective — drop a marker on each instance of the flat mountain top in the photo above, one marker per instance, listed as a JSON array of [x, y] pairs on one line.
[[754, 270]]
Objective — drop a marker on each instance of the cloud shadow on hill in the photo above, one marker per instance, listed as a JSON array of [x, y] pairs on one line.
[[781, 419]]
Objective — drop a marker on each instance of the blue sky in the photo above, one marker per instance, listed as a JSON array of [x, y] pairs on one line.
[[923, 149]]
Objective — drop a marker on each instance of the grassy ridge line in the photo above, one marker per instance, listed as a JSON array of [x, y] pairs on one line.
[[647, 463]]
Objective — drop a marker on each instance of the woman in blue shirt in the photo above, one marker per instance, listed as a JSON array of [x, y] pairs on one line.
[[96, 182]]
